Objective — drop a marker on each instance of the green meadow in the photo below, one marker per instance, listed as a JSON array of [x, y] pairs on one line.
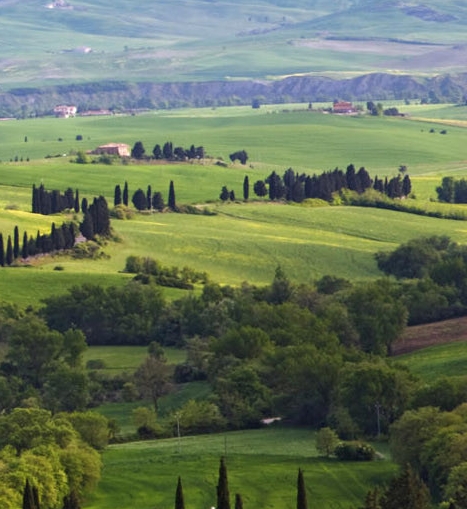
[[243, 241], [437, 361], [262, 466]]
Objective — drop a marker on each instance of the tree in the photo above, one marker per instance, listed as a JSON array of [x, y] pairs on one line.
[[238, 501], [84, 205], [76, 202], [24, 251], [2, 251], [406, 490], [117, 195], [167, 150], [301, 491], [16, 243], [29, 499], [246, 188], [223, 497], [153, 379], [125, 194], [224, 196], [157, 151], [171, 201], [138, 150], [9, 251], [326, 441], [179, 501], [139, 200], [86, 227], [149, 198], [158, 201], [260, 189]]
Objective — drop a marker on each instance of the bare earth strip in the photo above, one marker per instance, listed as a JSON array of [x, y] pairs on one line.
[[421, 336]]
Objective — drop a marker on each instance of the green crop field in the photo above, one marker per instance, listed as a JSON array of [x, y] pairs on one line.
[[437, 361], [243, 241], [262, 466]]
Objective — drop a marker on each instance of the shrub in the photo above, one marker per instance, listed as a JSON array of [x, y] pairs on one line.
[[95, 364], [355, 451], [121, 212]]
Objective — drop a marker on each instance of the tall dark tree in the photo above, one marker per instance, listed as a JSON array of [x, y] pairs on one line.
[[406, 186], [157, 151], [69, 198], [99, 211], [25, 249], [179, 501], [71, 501], [223, 497], [16, 243], [246, 188], [84, 205], [9, 251], [301, 491], [232, 195], [86, 227], [167, 150], [149, 198], [406, 490], [35, 196], [171, 201], [29, 499], [117, 195], [2, 251], [224, 196], [260, 189], [76, 204], [138, 150], [125, 194]]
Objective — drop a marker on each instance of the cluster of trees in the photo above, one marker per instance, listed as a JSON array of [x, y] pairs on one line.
[[298, 187], [432, 277], [377, 110], [148, 200], [168, 152], [52, 202], [452, 190], [150, 270], [239, 155], [96, 219], [58, 239]]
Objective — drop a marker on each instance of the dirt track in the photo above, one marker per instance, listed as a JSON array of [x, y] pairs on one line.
[[421, 336]]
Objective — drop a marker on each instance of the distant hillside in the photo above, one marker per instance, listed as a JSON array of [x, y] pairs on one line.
[[23, 102], [49, 42]]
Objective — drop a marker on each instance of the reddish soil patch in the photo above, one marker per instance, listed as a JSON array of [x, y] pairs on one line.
[[421, 336]]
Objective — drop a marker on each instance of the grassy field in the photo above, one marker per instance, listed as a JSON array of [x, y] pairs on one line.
[[262, 466]]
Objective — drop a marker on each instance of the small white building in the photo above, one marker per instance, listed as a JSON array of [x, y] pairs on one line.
[[64, 111]]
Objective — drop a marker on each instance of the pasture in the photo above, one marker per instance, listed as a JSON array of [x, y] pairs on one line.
[[243, 241], [262, 465]]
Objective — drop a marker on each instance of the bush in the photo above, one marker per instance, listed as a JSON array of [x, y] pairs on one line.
[[95, 364], [121, 212], [355, 451]]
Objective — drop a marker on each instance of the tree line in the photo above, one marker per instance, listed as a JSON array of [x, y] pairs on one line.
[[168, 152], [295, 187], [148, 200], [52, 202], [452, 190]]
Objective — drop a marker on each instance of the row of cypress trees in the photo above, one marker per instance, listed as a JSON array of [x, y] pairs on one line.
[[52, 202], [145, 200], [59, 238]]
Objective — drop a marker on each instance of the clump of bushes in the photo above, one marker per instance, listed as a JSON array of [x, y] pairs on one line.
[[355, 451]]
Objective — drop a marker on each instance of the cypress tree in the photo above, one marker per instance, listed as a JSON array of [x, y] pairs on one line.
[[76, 204], [148, 197], [84, 205], [224, 196], [139, 200], [246, 188], [69, 198], [25, 250], [171, 201], [158, 201], [117, 195], [9, 251], [301, 491], [125, 194], [16, 243], [2, 251], [38, 242], [29, 501], [179, 501], [407, 491], [238, 501], [223, 498], [34, 206], [86, 227]]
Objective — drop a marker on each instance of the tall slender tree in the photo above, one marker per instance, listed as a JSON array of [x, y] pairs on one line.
[[25, 251], [179, 501], [117, 195], [238, 501], [171, 201], [76, 204], [9, 251], [16, 243], [246, 188], [223, 497], [301, 491], [149, 197], [125, 194], [29, 499]]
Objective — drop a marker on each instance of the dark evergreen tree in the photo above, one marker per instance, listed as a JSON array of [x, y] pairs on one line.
[[238, 501], [2, 251], [32, 250], [137, 152], [223, 497], [179, 501], [35, 196], [406, 186], [191, 153], [9, 251], [139, 200], [29, 499], [117, 195], [200, 152], [158, 201], [224, 196], [232, 195], [179, 153], [406, 490], [16, 243], [157, 151], [84, 205], [372, 500], [246, 188], [25, 249], [71, 501], [125, 194], [99, 211], [76, 204], [86, 227], [38, 242], [351, 178], [171, 201], [363, 179], [69, 198], [301, 491], [149, 198], [167, 151]]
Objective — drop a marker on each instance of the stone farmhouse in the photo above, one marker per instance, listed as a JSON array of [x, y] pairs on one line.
[[116, 149], [64, 111], [343, 107]]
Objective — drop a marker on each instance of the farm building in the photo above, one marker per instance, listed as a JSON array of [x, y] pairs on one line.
[[64, 111], [117, 149], [343, 107]]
